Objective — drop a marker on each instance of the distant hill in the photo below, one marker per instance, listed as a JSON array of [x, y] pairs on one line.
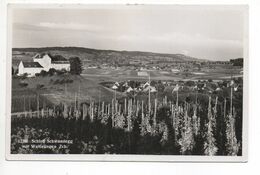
[[105, 56]]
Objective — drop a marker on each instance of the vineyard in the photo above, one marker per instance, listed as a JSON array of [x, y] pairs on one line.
[[206, 124]]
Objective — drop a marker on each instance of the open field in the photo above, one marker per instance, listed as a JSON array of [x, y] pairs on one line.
[[83, 89], [122, 73]]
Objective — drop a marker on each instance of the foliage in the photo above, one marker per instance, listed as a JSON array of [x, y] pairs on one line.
[[43, 73], [187, 137], [237, 62], [24, 76], [39, 86], [76, 66], [23, 84], [210, 144], [52, 71], [232, 144], [190, 83]]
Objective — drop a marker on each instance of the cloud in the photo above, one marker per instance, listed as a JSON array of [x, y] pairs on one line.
[[46, 26], [96, 36], [70, 26], [26, 27]]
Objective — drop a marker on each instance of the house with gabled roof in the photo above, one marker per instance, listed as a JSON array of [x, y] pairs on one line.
[[43, 61], [49, 61], [30, 68]]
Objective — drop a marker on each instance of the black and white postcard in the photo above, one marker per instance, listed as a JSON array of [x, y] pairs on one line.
[[127, 82]]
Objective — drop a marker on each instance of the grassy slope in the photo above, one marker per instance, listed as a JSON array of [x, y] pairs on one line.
[[86, 88]]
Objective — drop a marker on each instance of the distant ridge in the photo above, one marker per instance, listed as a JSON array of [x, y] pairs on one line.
[[96, 54]]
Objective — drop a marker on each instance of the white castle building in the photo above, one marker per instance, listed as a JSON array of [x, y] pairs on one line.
[[43, 62]]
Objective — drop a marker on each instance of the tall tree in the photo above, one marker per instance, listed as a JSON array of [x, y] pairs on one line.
[[76, 66]]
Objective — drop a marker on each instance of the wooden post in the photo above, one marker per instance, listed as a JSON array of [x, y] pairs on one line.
[[216, 104], [84, 111], [155, 110], [174, 121], [112, 115], [116, 107], [65, 111], [125, 112], [75, 107], [142, 110], [29, 103], [38, 106], [102, 110], [92, 111], [24, 109], [149, 98], [177, 102], [231, 99], [137, 108], [99, 101], [173, 115], [225, 106]]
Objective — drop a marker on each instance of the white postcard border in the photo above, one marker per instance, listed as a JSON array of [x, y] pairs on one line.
[[124, 158]]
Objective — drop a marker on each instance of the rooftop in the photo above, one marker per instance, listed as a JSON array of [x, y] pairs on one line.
[[31, 64], [56, 59]]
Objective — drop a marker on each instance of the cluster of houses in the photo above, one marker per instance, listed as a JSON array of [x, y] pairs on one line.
[[144, 87], [43, 61]]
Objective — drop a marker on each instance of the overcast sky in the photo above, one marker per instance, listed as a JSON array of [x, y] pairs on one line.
[[198, 31]]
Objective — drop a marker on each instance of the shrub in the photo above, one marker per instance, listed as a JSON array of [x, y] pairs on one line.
[[39, 86], [70, 81], [24, 76], [62, 81], [60, 72], [52, 71], [23, 84], [43, 73], [57, 81], [190, 83]]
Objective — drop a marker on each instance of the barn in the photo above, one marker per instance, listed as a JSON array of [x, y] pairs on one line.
[[31, 68], [58, 62], [49, 61]]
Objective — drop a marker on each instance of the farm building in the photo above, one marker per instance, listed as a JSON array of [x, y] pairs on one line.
[[151, 88], [31, 68], [175, 70], [49, 61], [129, 89], [43, 62]]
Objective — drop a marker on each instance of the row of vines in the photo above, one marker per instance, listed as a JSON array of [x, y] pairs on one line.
[[205, 126]]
